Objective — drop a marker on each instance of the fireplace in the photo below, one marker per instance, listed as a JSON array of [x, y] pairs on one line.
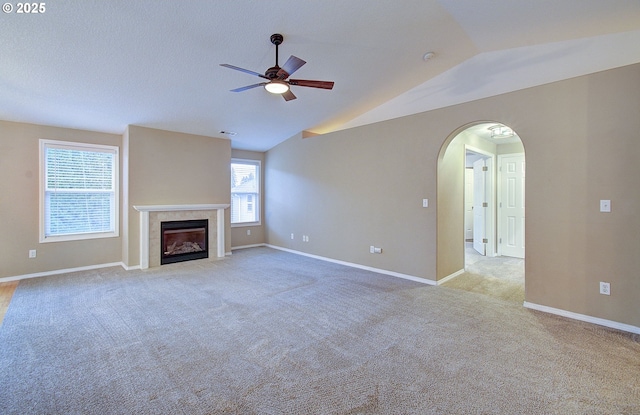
[[184, 240], [151, 216]]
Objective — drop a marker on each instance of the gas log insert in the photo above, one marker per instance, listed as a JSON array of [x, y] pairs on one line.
[[184, 240]]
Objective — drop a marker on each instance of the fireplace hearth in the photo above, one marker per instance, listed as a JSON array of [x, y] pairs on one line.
[[184, 240]]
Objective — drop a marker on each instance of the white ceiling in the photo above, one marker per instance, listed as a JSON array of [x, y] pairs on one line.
[[101, 65]]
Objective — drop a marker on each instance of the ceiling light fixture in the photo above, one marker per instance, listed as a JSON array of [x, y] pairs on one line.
[[277, 87], [501, 131]]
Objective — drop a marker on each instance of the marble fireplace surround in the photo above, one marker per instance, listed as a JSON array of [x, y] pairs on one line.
[[152, 215]]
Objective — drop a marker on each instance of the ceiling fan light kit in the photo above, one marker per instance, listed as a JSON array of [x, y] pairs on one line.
[[276, 87], [276, 76]]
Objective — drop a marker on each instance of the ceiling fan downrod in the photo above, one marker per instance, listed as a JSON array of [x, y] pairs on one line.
[[277, 39]]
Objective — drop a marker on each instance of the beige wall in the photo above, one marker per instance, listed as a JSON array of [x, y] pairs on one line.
[[169, 168], [19, 205], [239, 237], [354, 188], [156, 167]]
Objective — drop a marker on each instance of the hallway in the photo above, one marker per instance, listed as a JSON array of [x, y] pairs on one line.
[[499, 277]]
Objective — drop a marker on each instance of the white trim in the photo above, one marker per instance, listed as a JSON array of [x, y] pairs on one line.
[[490, 222], [351, 264], [63, 271], [450, 277], [130, 268], [259, 198], [245, 224], [45, 143], [582, 317], [220, 231], [233, 248], [144, 239], [164, 208]]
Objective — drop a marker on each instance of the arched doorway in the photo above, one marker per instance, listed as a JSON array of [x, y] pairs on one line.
[[481, 179]]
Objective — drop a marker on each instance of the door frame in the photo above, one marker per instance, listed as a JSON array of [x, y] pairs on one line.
[[490, 195]]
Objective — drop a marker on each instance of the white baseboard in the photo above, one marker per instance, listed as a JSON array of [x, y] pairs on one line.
[[533, 306], [451, 276], [65, 271], [130, 268], [351, 264], [582, 317], [233, 248]]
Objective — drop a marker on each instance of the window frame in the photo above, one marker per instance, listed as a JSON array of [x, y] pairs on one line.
[[78, 146], [257, 200]]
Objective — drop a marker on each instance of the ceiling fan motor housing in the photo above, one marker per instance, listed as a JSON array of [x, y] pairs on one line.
[[272, 72]]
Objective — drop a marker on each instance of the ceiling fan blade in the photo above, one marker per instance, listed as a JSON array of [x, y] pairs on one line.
[[244, 88], [288, 96], [226, 65], [312, 84], [290, 66]]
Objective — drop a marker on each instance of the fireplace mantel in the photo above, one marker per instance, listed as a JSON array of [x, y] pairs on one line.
[[169, 208], [144, 225]]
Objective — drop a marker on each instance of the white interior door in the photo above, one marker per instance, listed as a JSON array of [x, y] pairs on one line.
[[479, 206], [511, 213]]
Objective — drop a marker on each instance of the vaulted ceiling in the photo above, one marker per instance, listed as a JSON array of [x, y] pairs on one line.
[[103, 64]]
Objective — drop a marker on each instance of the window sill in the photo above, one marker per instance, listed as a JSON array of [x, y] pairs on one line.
[[78, 237], [245, 224]]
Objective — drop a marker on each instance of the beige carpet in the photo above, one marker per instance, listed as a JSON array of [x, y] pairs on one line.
[[269, 332], [497, 277]]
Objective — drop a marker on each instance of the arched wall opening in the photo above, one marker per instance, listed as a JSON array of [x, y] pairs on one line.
[[496, 143]]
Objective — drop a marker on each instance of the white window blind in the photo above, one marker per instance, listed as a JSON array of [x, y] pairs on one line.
[[245, 192], [79, 191]]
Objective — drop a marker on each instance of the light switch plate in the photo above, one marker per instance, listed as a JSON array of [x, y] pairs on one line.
[[425, 202], [605, 206]]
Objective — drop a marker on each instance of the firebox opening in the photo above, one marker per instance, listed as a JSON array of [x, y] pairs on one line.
[[184, 240]]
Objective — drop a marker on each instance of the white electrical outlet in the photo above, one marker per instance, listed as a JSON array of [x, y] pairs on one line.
[[425, 202], [32, 253], [248, 232], [292, 237], [372, 249], [605, 288]]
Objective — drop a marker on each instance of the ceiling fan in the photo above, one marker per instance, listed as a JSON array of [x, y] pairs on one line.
[[277, 82]]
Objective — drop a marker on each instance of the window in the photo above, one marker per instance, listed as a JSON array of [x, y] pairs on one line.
[[79, 191], [250, 203], [245, 192]]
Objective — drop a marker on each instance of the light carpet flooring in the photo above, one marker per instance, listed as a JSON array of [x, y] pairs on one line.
[[270, 332], [498, 277]]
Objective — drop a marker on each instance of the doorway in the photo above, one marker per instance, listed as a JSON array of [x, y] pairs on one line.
[[492, 201]]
